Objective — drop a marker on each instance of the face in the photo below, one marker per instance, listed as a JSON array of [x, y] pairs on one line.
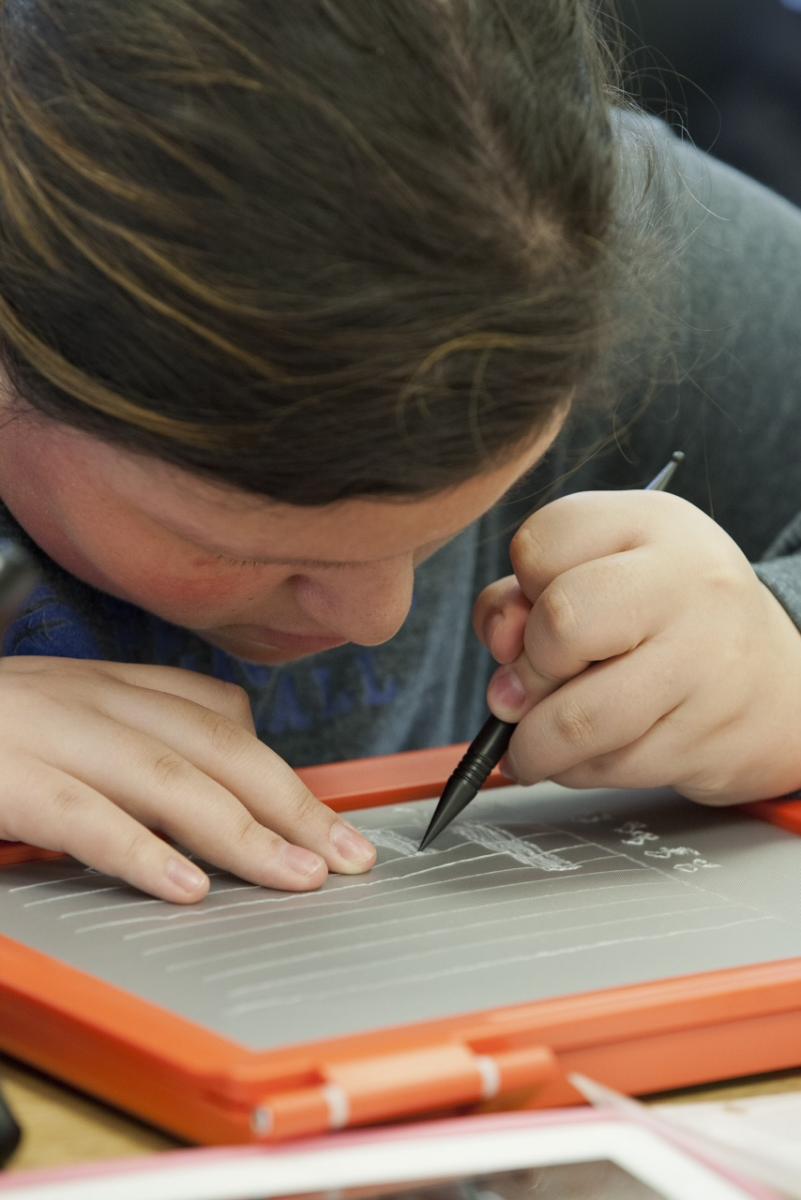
[[266, 582]]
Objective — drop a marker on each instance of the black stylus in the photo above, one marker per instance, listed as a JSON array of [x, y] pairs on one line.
[[488, 748], [10, 1132]]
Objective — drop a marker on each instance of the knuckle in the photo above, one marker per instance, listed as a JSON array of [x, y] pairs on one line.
[[248, 832], [306, 808], [574, 725], [169, 769], [236, 701], [557, 614], [226, 737], [136, 853], [537, 679], [67, 800], [525, 549]]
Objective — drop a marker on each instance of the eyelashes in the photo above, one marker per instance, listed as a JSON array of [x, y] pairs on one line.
[[241, 562]]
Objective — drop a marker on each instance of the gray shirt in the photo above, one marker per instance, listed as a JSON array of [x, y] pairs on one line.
[[718, 376]]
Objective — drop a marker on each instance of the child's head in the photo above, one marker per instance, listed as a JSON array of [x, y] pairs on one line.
[[320, 251]]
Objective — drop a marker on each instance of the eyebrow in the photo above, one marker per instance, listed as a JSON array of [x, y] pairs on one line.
[[317, 563]]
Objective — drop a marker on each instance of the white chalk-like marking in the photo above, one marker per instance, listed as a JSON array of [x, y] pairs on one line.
[[503, 842], [325, 898], [482, 964], [130, 903], [73, 895], [437, 951], [27, 887], [390, 839], [188, 919], [414, 935], [228, 935]]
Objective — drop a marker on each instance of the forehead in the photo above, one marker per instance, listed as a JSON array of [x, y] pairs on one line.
[[222, 518]]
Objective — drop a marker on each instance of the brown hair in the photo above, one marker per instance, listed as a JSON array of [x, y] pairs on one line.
[[313, 249]]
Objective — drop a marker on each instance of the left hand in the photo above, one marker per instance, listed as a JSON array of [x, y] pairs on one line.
[[647, 653]]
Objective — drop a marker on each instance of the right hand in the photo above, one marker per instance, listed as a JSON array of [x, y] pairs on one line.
[[96, 755]]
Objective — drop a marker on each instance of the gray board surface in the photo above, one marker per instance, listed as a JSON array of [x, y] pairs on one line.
[[531, 894]]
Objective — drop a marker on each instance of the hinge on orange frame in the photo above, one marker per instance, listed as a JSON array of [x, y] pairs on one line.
[[422, 1079]]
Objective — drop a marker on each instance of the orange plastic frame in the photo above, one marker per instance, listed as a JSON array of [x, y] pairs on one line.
[[205, 1088]]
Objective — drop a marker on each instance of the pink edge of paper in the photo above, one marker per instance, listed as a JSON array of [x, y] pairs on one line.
[[145, 1165], [458, 1126]]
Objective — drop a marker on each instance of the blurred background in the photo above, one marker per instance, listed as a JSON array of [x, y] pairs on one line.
[[729, 71]]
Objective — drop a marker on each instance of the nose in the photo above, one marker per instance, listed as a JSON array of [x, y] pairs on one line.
[[365, 604]]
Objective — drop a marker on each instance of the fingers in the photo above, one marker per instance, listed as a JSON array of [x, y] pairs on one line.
[[70, 816], [499, 618], [586, 525], [268, 797], [138, 758], [598, 610], [165, 791], [639, 606], [608, 707], [228, 699], [549, 552]]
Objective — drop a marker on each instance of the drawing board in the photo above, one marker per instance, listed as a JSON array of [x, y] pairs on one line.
[[633, 936], [529, 895]]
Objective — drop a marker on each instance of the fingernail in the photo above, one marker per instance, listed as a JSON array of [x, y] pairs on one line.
[[507, 692], [350, 843], [188, 878], [302, 862]]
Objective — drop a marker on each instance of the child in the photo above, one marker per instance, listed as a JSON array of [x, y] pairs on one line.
[[304, 309]]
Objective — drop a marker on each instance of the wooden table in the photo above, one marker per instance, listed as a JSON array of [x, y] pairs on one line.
[[63, 1126]]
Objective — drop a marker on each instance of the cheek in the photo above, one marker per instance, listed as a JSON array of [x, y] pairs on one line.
[[186, 589], [99, 542], [181, 592], [177, 585]]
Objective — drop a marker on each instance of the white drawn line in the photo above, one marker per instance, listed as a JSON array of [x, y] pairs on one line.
[[391, 839], [79, 895], [239, 1010], [332, 895], [229, 935], [438, 951], [306, 898], [256, 906], [243, 887], [491, 837], [440, 932], [689, 882], [27, 887], [537, 858], [329, 897], [132, 903], [268, 945], [119, 887], [128, 904]]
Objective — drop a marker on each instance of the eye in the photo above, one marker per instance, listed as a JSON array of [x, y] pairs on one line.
[[241, 562]]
